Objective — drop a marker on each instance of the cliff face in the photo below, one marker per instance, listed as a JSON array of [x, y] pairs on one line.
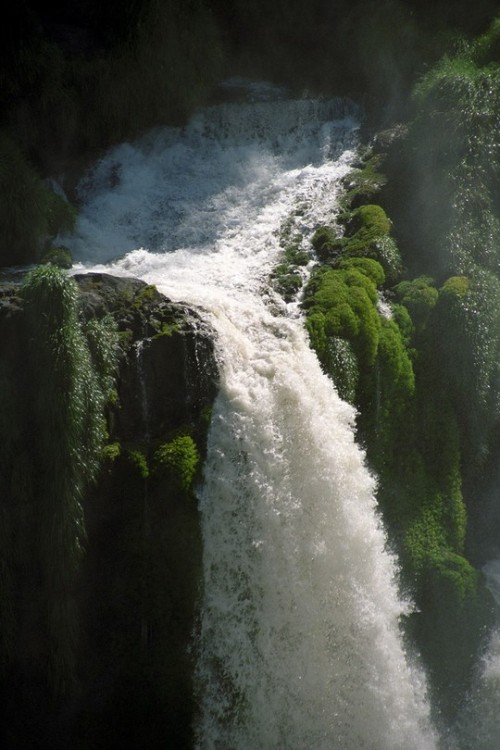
[[133, 588]]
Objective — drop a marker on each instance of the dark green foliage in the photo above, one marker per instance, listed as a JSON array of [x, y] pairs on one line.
[[426, 386], [326, 243], [58, 256], [419, 296], [138, 460], [102, 340], [363, 183], [287, 284], [466, 339], [343, 322], [367, 223], [486, 48], [447, 168], [369, 267], [56, 415], [287, 277], [178, 460], [29, 211]]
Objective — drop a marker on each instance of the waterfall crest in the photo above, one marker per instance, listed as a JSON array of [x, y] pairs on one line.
[[299, 643]]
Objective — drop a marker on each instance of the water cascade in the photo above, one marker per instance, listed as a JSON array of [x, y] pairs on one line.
[[299, 643]]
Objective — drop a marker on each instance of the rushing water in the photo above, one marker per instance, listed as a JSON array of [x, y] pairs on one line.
[[299, 645]]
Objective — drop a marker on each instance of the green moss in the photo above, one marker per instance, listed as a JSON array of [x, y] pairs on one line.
[[342, 365], [147, 293], [138, 460], [386, 251], [286, 276], [369, 267], [295, 256], [287, 284], [326, 243], [178, 461], [419, 296], [341, 303], [456, 286], [63, 404], [363, 183], [368, 222], [167, 329], [111, 451], [58, 256]]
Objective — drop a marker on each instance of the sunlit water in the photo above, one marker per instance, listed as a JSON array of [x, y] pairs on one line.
[[299, 645]]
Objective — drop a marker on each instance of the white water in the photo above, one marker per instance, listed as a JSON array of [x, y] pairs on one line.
[[299, 646]]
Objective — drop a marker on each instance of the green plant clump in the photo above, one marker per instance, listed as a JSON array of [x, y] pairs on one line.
[[58, 433], [342, 303], [178, 460]]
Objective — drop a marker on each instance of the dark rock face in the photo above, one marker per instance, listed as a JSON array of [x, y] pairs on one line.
[[143, 567], [167, 372], [139, 580]]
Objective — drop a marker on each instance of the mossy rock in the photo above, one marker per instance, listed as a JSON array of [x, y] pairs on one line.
[[363, 183], [368, 222], [369, 267], [58, 256], [326, 243], [343, 304], [419, 296]]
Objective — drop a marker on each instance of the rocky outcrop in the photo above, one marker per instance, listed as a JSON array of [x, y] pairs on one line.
[[167, 373], [139, 578]]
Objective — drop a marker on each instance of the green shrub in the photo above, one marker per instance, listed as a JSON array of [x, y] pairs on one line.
[[178, 461], [111, 452]]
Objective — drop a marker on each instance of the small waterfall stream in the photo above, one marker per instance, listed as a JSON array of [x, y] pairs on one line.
[[299, 644]]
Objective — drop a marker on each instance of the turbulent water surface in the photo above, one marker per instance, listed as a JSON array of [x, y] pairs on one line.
[[299, 644]]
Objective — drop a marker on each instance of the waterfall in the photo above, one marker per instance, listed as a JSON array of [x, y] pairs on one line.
[[141, 379], [299, 644]]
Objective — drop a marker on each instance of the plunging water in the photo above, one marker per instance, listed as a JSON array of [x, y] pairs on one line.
[[299, 645]]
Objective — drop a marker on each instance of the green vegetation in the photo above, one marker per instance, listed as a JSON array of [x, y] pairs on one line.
[[54, 395], [178, 460], [287, 277], [138, 460], [422, 370], [30, 213], [404, 314]]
